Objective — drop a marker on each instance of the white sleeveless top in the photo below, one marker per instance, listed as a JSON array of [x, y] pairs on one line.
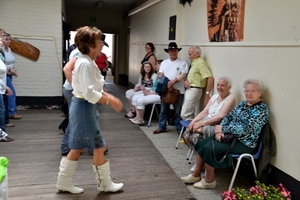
[[9, 59], [215, 107]]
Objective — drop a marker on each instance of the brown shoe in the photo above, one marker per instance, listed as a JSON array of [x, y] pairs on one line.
[[16, 116], [158, 131], [9, 125], [6, 139]]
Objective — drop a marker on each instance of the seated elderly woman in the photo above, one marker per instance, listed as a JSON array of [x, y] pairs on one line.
[[143, 98], [216, 109], [245, 121]]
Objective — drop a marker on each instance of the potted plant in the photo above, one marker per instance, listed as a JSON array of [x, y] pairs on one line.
[[258, 192]]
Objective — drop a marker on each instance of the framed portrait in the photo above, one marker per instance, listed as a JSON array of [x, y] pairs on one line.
[[225, 20]]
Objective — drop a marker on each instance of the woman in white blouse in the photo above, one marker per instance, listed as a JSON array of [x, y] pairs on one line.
[[87, 83], [216, 109]]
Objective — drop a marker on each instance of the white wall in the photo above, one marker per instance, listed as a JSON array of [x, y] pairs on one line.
[[270, 51], [149, 21], [39, 24]]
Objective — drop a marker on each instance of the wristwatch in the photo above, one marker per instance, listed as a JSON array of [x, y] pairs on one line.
[[207, 92]]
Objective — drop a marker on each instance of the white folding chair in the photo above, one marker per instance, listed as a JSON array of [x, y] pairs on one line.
[[152, 110], [251, 157], [185, 124]]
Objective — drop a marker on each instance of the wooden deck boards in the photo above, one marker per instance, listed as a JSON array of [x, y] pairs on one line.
[[35, 155]]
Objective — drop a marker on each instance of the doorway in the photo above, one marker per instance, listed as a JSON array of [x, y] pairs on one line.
[[109, 51]]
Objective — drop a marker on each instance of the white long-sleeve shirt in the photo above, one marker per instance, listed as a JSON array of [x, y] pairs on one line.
[[3, 70], [87, 81]]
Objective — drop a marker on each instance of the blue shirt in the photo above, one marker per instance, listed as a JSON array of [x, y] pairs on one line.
[[246, 122], [155, 85]]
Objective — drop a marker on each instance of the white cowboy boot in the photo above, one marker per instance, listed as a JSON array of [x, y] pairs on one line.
[[104, 183], [65, 175]]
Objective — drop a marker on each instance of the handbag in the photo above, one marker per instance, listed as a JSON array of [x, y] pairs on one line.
[[227, 138], [170, 96]]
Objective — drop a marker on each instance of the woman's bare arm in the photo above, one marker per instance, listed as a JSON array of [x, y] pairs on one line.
[[68, 68]]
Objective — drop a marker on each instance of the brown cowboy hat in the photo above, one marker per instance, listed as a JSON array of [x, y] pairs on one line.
[[172, 45]]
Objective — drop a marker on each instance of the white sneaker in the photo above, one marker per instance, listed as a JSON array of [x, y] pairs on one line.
[[190, 179], [204, 185]]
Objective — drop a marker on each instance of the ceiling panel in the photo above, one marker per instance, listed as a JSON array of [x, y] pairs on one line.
[[104, 5]]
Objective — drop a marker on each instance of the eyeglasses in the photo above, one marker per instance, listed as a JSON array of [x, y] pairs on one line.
[[250, 91]]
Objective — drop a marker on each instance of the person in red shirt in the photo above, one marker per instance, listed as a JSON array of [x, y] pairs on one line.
[[102, 64], [102, 61]]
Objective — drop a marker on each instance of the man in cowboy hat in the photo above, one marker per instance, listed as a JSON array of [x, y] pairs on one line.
[[175, 69]]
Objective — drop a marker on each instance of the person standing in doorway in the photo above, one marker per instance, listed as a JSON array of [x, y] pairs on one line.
[[102, 61]]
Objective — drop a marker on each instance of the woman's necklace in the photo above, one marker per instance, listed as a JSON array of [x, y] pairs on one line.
[[246, 106]]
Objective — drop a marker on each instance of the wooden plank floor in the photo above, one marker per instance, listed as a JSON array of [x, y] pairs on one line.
[[35, 155]]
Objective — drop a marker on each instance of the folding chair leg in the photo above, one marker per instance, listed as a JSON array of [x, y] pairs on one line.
[[254, 167], [191, 155], [234, 173], [179, 137], [237, 168], [150, 118], [256, 155], [188, 154]]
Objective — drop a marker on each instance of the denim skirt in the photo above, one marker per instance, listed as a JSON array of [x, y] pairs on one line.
[[84, 127]]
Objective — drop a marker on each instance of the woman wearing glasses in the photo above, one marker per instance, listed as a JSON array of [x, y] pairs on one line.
[[245, 121]]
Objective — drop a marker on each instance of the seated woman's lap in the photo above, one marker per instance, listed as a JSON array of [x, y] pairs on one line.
[[205, 150], [136, 96], [145, 100], [129, 93]]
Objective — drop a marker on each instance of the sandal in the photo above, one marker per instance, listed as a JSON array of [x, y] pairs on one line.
[[132, 119], [131, 115], [138, 122]]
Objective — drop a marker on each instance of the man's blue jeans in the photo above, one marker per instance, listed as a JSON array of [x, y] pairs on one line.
[[165, 109], [64, 147]]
